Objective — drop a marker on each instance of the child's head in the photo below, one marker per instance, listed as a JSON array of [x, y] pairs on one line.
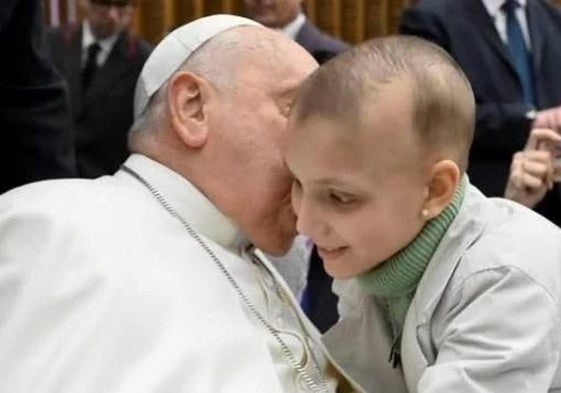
[[378, 141]]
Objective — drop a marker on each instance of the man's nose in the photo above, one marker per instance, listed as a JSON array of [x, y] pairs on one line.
[[113, 12]]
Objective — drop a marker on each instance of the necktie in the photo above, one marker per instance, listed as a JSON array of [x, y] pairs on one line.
[[520, 55], [91, 65]]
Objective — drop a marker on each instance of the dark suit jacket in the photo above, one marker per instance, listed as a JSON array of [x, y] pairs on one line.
[[102, 117], [34, 112], [320, 45], [467, 32]]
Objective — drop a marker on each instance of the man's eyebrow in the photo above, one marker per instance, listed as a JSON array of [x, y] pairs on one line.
[[287, 92]]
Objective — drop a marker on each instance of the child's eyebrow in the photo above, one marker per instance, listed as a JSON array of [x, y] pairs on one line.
[[324, 181], [329, 181]]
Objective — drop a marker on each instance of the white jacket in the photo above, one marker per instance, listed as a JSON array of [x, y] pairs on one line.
[[486, 316]]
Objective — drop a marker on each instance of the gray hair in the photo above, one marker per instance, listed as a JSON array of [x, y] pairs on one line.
[[215, 61]]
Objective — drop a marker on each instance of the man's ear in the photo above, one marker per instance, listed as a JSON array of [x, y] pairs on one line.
[[187, 94], [445, 177]]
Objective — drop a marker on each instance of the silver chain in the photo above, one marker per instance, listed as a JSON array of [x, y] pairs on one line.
[[300, 369]]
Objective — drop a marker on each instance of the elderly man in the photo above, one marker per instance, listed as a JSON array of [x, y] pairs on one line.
[[148, 281], [510, 52]]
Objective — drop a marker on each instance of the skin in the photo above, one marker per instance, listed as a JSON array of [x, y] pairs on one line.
[[534, 169], [229, 141], [106, 20], [273, 13], [549, 118], [363, 194]]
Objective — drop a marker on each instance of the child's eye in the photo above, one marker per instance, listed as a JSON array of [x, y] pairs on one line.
[[340, 199]]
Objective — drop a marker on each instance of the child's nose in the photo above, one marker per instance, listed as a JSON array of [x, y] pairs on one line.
[[308, 220]]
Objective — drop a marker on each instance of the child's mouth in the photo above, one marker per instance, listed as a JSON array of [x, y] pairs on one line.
[[331, 252]]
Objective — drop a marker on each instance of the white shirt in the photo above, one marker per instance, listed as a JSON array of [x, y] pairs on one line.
[[292, 29], [499, 18], [105, 45]]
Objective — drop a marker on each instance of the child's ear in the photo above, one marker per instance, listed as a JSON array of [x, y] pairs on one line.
[[187, 96], [445, 177]]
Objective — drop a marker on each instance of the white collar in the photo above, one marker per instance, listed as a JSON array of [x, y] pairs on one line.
[[494, 6], [88, 38], [293, 28], [188, 201]]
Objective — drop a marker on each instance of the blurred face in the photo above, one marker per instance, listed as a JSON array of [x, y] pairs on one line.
[[253, 119], [359, 193], [273, 13], [107, 17]]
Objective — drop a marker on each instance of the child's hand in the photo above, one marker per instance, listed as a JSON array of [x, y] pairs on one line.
[[533, 169], [548, 118]]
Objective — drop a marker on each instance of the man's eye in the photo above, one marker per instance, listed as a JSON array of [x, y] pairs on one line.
[[284, 109]]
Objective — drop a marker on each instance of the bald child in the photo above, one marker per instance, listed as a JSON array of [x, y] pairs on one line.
[[441, 288]]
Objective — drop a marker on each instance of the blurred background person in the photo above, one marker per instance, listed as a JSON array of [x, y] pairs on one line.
[[287, 17], [34, 114], [510, 52], [100, 62]]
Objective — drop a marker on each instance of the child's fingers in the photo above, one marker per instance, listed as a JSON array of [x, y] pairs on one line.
[[536, 168], [537, 156], [529, 181], [532, 169], [542, 139]]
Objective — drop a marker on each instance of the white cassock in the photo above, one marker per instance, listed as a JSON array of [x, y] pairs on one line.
[[103, 291]]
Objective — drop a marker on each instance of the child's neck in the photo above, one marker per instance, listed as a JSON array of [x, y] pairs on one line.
[[399, 275], [395, 280]]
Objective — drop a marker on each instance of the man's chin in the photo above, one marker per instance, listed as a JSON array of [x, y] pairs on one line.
[[276, 247], [104, 33], [267, 20]]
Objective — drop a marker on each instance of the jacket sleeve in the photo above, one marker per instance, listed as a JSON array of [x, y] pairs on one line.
[[497, 331], [501, 128]]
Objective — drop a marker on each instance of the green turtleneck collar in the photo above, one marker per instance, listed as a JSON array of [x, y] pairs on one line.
[[396, 279], [400, 274]]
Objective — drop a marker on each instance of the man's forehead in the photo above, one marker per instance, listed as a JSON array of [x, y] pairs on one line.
[[284, 66]]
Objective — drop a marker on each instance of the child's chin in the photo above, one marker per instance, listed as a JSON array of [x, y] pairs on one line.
[[339, 268], [333, 256]]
